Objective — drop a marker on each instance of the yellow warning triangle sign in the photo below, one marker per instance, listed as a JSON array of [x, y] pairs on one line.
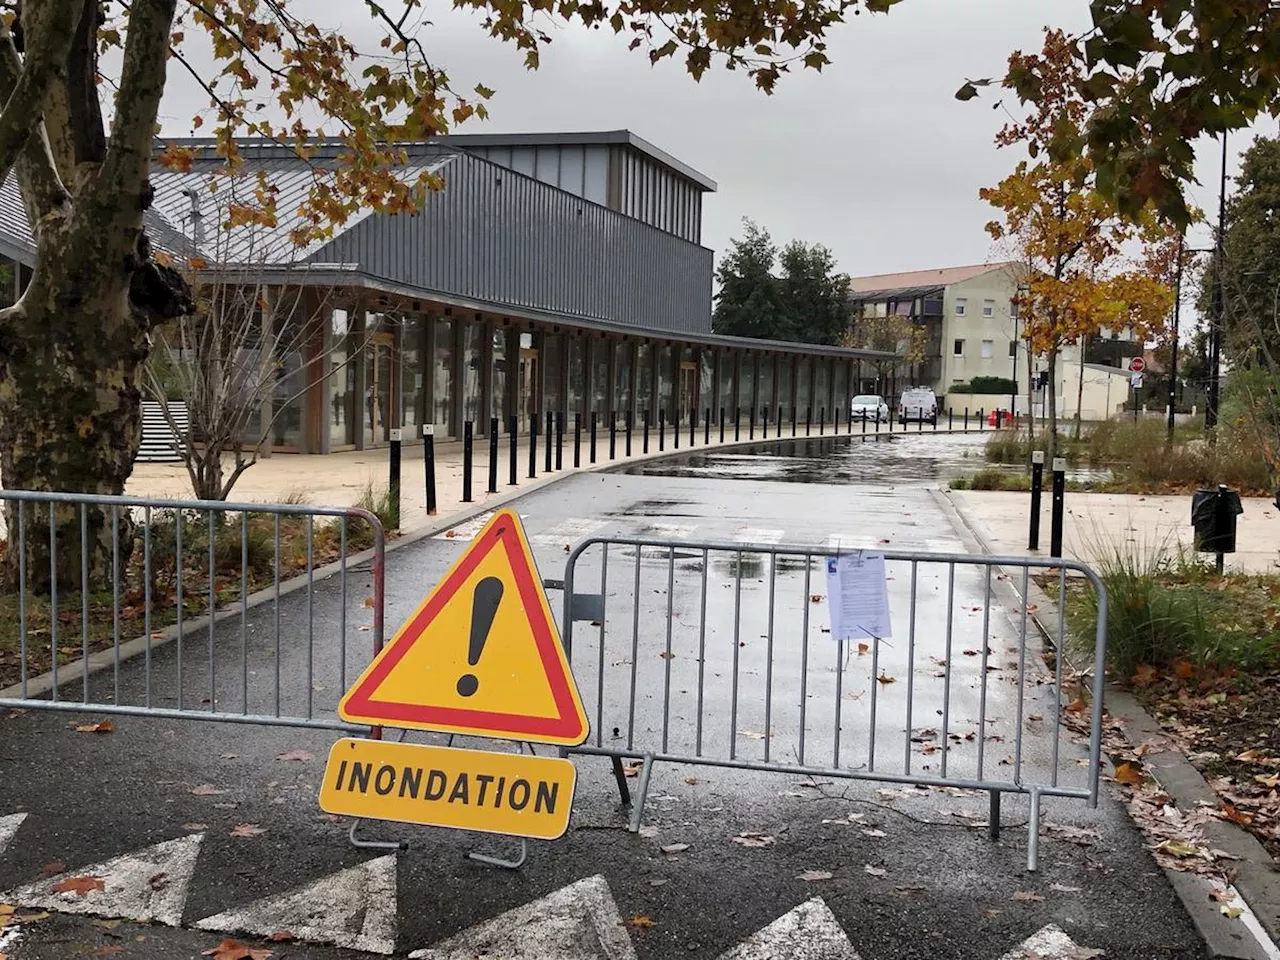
[[480, 656]]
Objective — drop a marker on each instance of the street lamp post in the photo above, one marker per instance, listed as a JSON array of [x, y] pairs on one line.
[[1216, 323], [1173, 364]]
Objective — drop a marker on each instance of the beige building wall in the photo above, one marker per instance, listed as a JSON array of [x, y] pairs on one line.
[[979, 329]]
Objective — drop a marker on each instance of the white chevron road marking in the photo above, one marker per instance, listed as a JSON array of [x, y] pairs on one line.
[[1050, 943], [353, 908], [8, 827], [809, 932], [577, 922], [146, 886]]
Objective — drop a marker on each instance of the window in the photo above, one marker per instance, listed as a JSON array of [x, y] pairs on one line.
[[1013, 349], [958, 349], [960, 305], [988, 349], [988, 308]]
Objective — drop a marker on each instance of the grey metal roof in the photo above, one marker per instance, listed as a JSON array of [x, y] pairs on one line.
[[896, 293], [208, 190], [620, 137]]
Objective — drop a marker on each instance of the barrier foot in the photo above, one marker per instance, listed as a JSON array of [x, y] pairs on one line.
[[637, 810], [993, 818], [1033, 833], [620, 775], [515, 864], [374, 844]]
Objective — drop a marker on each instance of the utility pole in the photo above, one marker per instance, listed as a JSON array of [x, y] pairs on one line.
[[1216, 324], [1177, 309]]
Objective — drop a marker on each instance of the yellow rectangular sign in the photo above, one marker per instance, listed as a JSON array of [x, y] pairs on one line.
[[511, 793]]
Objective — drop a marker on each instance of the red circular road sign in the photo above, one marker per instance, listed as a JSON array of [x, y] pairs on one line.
[[1137, 365]]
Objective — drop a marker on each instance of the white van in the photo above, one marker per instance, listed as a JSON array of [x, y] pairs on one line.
[[918, 404]]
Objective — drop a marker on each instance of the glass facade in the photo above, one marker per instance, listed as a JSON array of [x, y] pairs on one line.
[[822, 389], [473, 335], [707, 383], [725, 377], [664, 382], [764, 391], [343, 350], [501, 380], [413, 399], [380, 367], [622, 353], [804, 390], [601, 388], [529, 384], [786, 384], [575, 389], [442, 378], [842, 394], [746, 384], [552, 359], [644, 381]]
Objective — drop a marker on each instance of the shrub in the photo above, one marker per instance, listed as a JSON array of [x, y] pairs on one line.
[[378, 500]]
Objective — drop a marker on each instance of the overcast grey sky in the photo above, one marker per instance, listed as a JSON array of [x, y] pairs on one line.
[[874, 157]]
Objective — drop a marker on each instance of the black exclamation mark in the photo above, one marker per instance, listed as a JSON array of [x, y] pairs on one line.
[[484, 607]]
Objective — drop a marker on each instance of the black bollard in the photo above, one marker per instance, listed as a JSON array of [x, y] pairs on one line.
[[493, 454], [577, 440], [808, 420], [982, 420], [722, 424], [706, 429], [662, 430], [764, 422], [778, 432], [613, 436], [630, 420], [864, 422], [822, 421], [835, 421], [737, 424], [595, 417], [393, 484], [644, 446], [1059, 503], [560, 440], [950, 425], [675, 429], [693, 425], [549, 442], [512, 430], [794, 411], [466, 462], [1037, 481], [751, 434], [429, 465], [966, 419], [533, 445]]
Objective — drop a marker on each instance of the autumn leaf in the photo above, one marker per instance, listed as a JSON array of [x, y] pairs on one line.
[[885, 678], [639, 921], [1177, 848], [672, 848], [302, 756], [78, 885], [753, 839], [1079, 705], [1129, 773], [102, 726], [816, 598], [862, 649], [632, 768], [1144, 676], [247, 830], [1183, 669], [53, 869], [812, 876], [235, 950], [1234, 814]]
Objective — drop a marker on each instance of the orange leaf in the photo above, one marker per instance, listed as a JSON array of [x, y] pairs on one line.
[[102, 726], [1129, 773], [81, 885], [1183, 669], [1234, 814], [1144, 676], [1079, 705], [885, 678], [862, 649], [235, 950], [639, 922]]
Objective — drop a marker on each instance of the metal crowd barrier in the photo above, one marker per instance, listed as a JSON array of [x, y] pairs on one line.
[[718, 654], [223, 599]]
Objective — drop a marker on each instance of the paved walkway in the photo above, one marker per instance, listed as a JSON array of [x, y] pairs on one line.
[[341, 479], [1099, 524]]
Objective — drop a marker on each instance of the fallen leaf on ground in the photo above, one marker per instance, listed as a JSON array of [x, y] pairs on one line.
[[102, 726], [1078, 705], [752, 839], [158, 881], [810, 876], [52, 869], [206, 790], [106, 951], [195, 826], [1129, 773], [1177, 848], [667, 656], [633, 768], [863, 648], [81, 885], [675, 848], [885, 678], [1234, 814], [1027, 896], [874, 833], [751, 735], [247, 830], [369, 602], [648, 832], [302, 756], [235, 950], [816, 598], [658, 882], [280, 936], [691, 780], [1144, 676], [875, 871], [639, 922]]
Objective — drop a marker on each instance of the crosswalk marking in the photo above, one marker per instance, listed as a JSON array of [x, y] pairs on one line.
[[758, 535], [809, 932], [466, 531], [580, 921], [8, 827], [568, 532], [353, 908], [1050, 943], [669, 531], [147, 886]]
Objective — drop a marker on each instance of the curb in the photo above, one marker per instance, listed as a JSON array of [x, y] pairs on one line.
[[77, 670], [1257, 879]]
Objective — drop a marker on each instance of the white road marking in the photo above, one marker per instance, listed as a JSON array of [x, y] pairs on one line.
[[147, 886], [760, 536], [465, 532], [1051, 943], [568, 531], [669, 531], [842, 542], [353, 908], [809, 932], [577, 922], [9, 938], [8, 827]]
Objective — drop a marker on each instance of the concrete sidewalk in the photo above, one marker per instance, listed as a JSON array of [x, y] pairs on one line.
[[1100, 524], [340, 479]]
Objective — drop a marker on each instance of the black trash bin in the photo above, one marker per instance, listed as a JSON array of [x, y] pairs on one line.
[[1213, 514]]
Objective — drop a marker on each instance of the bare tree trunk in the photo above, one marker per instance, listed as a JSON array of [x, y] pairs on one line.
[[1080, 390], [1031, 394], [1052, 402]]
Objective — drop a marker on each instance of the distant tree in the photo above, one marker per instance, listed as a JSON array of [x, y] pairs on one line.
[[1251, 265], [815, 297], [887, 334], [749, 302]]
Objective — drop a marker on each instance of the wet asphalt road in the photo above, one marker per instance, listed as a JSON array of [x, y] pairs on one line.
[[913, 874]]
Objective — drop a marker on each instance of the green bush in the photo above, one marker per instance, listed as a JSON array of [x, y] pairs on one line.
[[377, 500]]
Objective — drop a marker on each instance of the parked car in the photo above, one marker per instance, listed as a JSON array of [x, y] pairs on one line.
[[918, 404], [869, 407]]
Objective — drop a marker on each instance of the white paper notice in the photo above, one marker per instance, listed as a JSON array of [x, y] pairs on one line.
[[858, 596]]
